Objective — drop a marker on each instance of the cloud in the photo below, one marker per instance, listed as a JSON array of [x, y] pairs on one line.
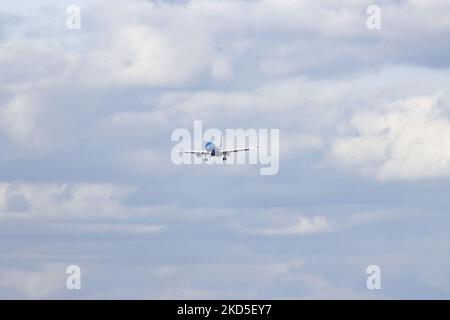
[[301, 226], [17, 119], [105, 229], [292, 145], [64, 200], [140, 55], [31, 284], [407, 141]]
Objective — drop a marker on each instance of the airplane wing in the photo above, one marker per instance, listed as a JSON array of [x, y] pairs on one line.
[[194, 152], [237, 150]]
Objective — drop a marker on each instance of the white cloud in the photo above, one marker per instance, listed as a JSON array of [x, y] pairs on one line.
[[221, 68], [17, 120], [409, 140], [102, 229], [302, 225], [291, 145], [141, 55], [40, 283], [82, 200]]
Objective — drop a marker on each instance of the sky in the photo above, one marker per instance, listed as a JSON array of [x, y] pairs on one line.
[[86, 176]]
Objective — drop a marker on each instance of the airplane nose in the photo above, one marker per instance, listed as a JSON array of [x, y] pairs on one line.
[[209, 146]]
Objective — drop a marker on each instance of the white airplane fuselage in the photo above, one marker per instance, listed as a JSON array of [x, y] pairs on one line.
[[213, 150]]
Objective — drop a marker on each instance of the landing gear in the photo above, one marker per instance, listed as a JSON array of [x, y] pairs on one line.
[[224, 158]]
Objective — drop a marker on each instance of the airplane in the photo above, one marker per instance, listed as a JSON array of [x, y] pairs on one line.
[[212, 150]]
